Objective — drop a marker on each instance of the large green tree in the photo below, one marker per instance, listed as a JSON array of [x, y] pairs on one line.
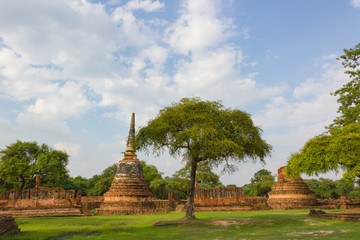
[[338, 148], [349, 94], [332, 151], [21, 161], [202, 131]]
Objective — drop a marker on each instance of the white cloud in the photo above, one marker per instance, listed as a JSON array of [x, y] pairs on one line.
[[60, 60], [70, 148], [311, 101], [355, 3], [198, 27], [146, 5]]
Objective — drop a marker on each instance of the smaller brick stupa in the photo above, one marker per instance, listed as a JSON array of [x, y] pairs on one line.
[[290, 193], [129, 193]]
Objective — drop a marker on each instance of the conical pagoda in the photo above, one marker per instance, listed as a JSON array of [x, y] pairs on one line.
[[290, 193], [129, 193]]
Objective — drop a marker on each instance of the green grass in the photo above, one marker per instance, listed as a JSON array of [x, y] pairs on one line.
[[271, 224]]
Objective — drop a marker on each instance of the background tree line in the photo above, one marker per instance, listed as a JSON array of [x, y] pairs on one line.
[[21, 161]]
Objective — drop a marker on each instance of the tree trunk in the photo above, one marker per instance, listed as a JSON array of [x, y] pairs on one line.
[[190, 211], [22, 183]]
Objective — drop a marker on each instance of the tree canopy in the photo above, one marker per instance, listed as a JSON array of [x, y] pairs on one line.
[[260, 185], [339, 147], [349, 94], [203, 131], [21, 161], [326, 188]]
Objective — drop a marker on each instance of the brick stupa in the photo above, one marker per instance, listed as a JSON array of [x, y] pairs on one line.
[[290, 193], [129, 193]]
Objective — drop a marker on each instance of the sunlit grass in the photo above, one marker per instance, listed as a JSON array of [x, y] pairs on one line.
[[271, 224]]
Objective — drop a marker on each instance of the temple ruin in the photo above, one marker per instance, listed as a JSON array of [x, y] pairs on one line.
[[220, 199], [129, 193], [290, 193], [40, 201]]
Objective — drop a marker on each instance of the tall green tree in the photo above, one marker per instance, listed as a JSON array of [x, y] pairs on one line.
[[338, 148], [21, 161], [349, 94], [203, 131]]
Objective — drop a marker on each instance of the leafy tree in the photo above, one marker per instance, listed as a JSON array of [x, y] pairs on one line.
[[100, 184], [150, 172], [355, 193], [79, 183], [339, 148], [349, 94], [260, 184], [206, 178], [324, 188], [21, 161], [155, 181], [203, 131]]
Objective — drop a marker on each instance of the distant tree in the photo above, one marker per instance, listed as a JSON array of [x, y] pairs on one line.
[[203, 131], [155, 181], [324, 188], [79, 183], [355, 193], [260, 184], [150, 172], [21, 161], [231, 185], [100, 184], [204, 174]]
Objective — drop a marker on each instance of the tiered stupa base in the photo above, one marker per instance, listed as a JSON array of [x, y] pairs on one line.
[[290, 193], [129, 193]]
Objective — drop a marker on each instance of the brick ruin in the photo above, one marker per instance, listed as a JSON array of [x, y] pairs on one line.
[[129, 193], [220, 199], [290, 193], [40, 201]]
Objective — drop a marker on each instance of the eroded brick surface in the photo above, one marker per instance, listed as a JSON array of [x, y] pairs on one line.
[[129, 193], [290, 193], [40, 201], [221, 199]]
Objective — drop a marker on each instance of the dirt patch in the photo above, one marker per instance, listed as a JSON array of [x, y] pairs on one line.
[[181, 222], [228, 222], [315, 233], [213, 222]]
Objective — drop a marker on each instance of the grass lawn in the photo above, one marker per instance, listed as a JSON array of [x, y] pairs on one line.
[[270, 224]]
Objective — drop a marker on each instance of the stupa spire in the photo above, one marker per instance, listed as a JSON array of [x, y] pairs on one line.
[[131, 137]]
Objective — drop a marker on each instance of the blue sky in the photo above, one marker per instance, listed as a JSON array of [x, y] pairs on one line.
[[72, 71]]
